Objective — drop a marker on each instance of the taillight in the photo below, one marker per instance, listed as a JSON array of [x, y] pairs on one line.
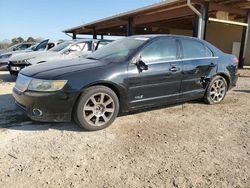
[[236, 60]]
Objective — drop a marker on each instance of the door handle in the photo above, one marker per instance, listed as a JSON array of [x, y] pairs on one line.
[[173, 68], [212, 65]]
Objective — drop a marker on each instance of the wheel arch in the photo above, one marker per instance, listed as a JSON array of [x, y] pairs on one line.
[[111, 86], [226, 77], [117, 89]]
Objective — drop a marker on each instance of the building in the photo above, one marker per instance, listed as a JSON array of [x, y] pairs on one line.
[[224, 23]]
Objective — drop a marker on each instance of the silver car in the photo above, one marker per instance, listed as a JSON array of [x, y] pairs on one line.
[[42, 46], [17, 47], [72, 49]]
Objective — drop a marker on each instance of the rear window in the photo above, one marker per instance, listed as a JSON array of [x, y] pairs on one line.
[[195, 49]]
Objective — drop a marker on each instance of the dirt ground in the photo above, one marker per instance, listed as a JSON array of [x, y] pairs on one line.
[[189, 145]]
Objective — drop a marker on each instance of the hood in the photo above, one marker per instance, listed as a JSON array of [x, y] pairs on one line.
[[11, 53], [2, 51], [44, 57], [26, 55], [53, 69]]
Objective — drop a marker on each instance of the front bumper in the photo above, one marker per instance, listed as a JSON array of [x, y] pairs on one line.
[[3, 66], [16, 68], [55, 106]]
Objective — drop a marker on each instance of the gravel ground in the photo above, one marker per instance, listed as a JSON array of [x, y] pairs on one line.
[[188, 145]]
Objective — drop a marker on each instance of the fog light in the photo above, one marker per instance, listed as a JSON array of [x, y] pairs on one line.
[[37, 112]]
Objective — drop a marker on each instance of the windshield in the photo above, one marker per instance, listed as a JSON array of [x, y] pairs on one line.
[[119, 50], [32, 47], [14, 46], [61, 46]]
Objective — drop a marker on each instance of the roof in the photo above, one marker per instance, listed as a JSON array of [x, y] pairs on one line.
[[164, 14]]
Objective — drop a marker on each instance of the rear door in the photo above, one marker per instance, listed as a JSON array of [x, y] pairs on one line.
[[198, 63], [161, 81]]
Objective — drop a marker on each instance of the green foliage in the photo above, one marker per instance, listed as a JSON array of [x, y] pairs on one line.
[[17, 40], [31, 39]]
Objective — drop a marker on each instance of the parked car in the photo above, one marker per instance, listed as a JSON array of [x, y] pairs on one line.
[[20, 57], [17, 47], [42, 46], [4, 58], [129, 74], [67, 50]]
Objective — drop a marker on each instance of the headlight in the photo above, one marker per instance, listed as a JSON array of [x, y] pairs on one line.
[[46, 85], [5, 56], [25, 61]]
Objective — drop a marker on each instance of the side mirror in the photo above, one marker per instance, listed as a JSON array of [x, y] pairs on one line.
[[141, 65]]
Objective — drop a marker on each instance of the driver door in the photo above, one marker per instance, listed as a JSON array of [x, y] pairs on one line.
[[162, 79]]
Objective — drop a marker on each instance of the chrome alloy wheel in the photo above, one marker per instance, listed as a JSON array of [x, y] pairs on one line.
[[218, 91], [99, 109]]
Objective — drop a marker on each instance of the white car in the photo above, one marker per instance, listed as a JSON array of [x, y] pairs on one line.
[[42, 46], [72, 49]]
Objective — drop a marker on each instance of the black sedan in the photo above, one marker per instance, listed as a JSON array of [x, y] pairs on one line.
[[129, 74]]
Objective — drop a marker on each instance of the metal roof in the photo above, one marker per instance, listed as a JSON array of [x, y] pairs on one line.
[[175, 8]]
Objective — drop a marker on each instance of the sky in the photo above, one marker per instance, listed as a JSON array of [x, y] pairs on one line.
[[48, 18]]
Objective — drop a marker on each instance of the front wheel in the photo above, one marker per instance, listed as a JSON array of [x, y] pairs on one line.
[[97, 108], [216, 90]]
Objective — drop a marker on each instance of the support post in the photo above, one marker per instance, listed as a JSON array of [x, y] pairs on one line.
[[130, 26], [74, 36], [94, 34], [196, 25], [101, 37], [204, 20], [244, 39]]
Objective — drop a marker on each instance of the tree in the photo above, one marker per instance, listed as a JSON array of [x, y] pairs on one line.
[[17, 40], [20, 39], [14, 41], [31, 39]]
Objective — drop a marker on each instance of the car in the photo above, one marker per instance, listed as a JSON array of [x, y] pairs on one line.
[[133, 73], [19, 58], [67, 50], [42, 46], [17, 47], [4, 58]]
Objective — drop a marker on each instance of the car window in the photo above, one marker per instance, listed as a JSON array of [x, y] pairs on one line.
[[101, 44], [51, 45], [82, 46], [194, 49], [42, 45], [119, 50], [22, 47], [160, 50], [61, 46]]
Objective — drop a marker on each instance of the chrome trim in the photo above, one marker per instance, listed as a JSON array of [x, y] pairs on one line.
[[185, 59], [166, 96]]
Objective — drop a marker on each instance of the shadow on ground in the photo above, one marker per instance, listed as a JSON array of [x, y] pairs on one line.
[[11, 117], [6, 77], [243, 91]]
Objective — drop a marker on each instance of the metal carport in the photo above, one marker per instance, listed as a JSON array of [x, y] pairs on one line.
[[159, 18]]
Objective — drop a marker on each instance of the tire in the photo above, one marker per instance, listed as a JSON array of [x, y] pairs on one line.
[[96, 109], [216, 90]]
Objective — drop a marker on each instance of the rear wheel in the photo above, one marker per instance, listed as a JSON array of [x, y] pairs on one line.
[[97, 108], [216, 90]]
